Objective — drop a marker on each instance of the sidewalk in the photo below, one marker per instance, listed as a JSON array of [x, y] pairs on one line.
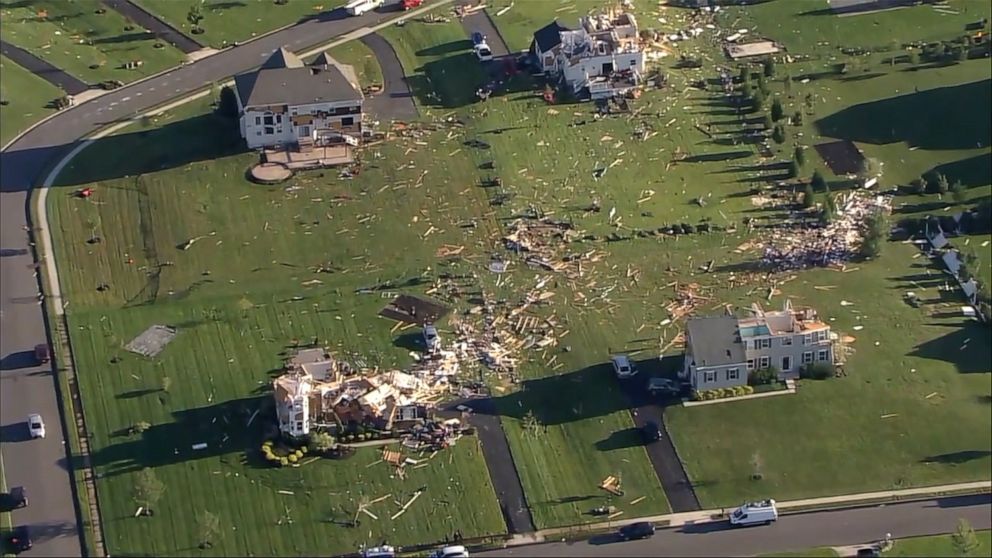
[[702, 516]]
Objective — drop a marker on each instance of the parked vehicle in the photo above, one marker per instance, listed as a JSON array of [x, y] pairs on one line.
[[663, 386], [478, 39], [651, 432], [623, 367], [359, 7], [36, 426], [16, 498], [41, 353], [19, 540], [869, 552], [411, 4], [483, 52], [431, 339], [384, 551], [455, 551], [634, 531], [754, 513]]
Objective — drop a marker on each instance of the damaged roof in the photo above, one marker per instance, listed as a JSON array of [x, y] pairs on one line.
[[714, 341], [284, 80], [549, 36]]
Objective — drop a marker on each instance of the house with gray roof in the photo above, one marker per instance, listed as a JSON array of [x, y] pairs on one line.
[[287, 103]]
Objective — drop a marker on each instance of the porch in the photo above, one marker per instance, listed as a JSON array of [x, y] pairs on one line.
[[312, 157]]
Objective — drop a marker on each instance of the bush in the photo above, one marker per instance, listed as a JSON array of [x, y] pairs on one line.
[[762, 376], [817, 371], [303, 450], [292, 458], [818, 182], [283, 461]]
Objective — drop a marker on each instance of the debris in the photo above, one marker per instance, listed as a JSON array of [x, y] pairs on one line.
[[504, 10], [615, 514], [152, 341], [891, 415], [637, 500], [407, 505], [286, 492]]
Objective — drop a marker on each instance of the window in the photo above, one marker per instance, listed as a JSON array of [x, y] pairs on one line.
[[787, 341], [299, 426], [292, 111], [733, 374], [764, 362], [268, 120], [821, 335], [807, 339], [764, 344], [258, 120], [258, 132], [633, 63], [709, 377], [278, 119], [807, 357], [349, 121], [269, 130], [750, 364], [304, 131], [822, 354]]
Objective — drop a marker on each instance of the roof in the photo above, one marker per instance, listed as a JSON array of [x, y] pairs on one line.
[[284, 80], [714, 341], [549, 36]]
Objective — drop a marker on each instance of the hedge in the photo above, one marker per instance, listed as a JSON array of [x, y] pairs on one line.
[[721, 393]]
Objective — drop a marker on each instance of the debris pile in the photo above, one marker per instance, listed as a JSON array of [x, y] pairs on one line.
[[822, 246], [434, 436], [541, 241]]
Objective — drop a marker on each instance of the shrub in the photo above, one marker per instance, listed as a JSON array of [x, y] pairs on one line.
[[283, 461], [298, 454], [762, 376], [292, 458], [817, 371], [303, 450]]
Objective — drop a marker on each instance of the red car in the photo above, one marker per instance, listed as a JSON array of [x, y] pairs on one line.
[[41, 353]]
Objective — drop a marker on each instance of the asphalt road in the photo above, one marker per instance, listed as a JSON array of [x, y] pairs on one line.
[[789, 534], [24, 388]]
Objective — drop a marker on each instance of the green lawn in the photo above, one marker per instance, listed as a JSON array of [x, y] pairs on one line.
[[811, 553], [939, 545], [228, 22], [360, 57], [518, 24], [25, 98], [89, 45]]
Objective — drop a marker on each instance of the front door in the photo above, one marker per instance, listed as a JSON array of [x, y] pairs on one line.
[[786, 363]]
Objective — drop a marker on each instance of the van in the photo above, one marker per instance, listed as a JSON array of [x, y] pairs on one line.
[[455, 551], [384, 551], [754, 513], [359, 7]]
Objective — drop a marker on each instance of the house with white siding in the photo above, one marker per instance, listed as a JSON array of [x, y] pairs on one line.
[[721, 351], [287, 103]]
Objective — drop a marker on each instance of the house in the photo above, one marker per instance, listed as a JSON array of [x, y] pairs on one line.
[[602, 58], [722, 350], [286, 103], [319, 391]]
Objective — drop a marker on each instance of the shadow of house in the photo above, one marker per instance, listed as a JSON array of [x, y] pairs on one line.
[[18, 360], [971, 171], [222, 427], [953, 117], [621, 439], [201, 138], [967, 347]]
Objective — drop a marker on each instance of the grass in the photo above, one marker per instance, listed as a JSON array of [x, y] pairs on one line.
[[360, 57], [811, 553], [518, 24], [88, 45], [26, 96], [227, 22], [939, 545]]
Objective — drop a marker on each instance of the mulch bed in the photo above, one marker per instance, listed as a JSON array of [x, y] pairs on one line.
[[842, 156], [414, 310]]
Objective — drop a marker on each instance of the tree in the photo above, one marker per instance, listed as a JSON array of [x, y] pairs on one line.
[[762, 84], [746, 90], [768, 67], [875, 230], [797, 118], [869, 167], [958, 192], [778, 134], [227, 103], [758, 100], [321, 442], [829, 210], [745, 74], [209, 527], [964, 540], [941, 184], [799, 155], [914, 57], [530, 422], [818, 182], [918, 186], [194, 16], [808, 196], [148, 488], [787, 85], [767, 122], [793, 170], [139, 427], [777, 111], [810, 101]]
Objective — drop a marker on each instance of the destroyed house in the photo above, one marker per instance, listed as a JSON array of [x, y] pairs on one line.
[[286, 103], [721, 351], [602, 59]]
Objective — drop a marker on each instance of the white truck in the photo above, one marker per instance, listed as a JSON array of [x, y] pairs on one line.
[[755, 513], [359, 7]]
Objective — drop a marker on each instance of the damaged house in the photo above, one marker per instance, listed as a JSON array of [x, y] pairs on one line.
[[287, 103], [319, 391], [722, 350], [602, 58]]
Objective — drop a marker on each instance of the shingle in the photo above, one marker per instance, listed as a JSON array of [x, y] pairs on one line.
[[294, 86], [549, 36], [714, 341]]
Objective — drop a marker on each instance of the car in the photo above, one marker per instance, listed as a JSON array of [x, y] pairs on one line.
[[634, 531], [663, 386], [869, 552], [36, 426], [483, 53], [16, 498], [478, 39], [41, 353], [455, 551], [623, 367], [384, 551], [651, 432], [19, 540], [431, 339], [755, 513]]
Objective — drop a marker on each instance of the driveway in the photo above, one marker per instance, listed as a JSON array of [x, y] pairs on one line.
[[42, 69], [664, 458], [791, 533], [481, 22], [152, 23], [395, 101]]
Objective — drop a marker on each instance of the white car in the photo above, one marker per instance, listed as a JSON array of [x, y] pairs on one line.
[[456, 551], [431, 339], [623, 367], [483, 52], [36, 426]]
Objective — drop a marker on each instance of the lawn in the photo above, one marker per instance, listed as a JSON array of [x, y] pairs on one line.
[[939, 545], [228, 22], [25, 99], [238, 297], [89, 45], [360, 57]]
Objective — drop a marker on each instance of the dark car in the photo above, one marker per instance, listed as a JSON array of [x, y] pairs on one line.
[[868, 551], [19, 539], [16, 498], [41, 353], [651, 432], [478, 38], [634, 531]]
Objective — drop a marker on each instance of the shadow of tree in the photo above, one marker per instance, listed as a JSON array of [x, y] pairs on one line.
[[967, 347], [957, 457]]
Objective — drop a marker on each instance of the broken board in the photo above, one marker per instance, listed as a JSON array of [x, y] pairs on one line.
[[152, 341], [414, 310]]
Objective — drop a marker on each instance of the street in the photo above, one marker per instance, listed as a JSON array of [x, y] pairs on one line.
[[790, 533], [39, 465]]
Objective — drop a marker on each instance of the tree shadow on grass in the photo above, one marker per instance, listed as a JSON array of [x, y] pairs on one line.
[[125, 38], [971, 171], [621, 439], [447, 48], [957, 457], [201, 138], [452, 82], [954, 117], [966, 347]]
